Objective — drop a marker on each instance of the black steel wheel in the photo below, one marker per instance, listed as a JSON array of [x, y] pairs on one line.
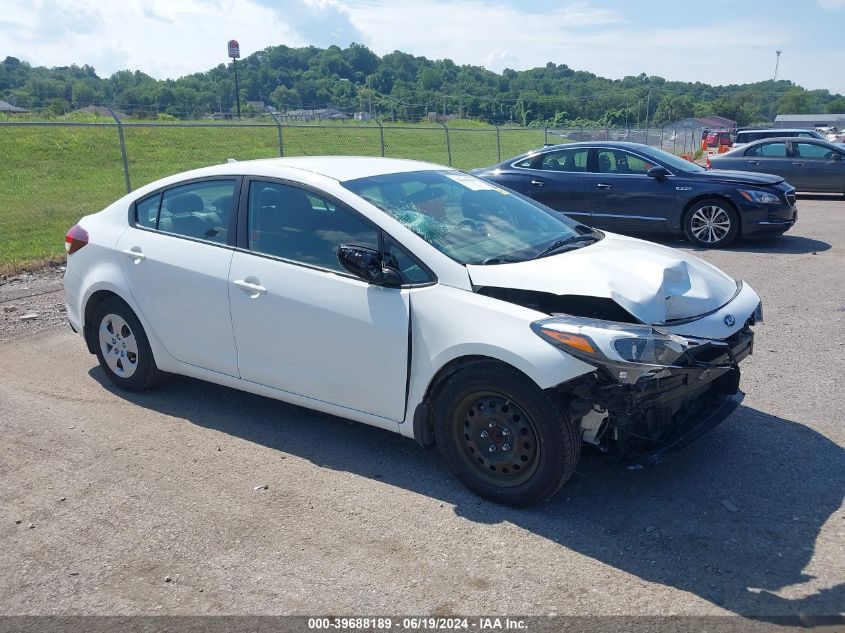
[[505, 438], [498, 439]]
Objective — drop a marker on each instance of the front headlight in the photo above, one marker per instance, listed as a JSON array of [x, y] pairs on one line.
[[651, 350], [627, 351], [760, 197]]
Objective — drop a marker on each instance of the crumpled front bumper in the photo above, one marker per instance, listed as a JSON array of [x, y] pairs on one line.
[[687, 431], [662, 413]]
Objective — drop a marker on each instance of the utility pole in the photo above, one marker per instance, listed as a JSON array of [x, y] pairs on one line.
[[774, 82], [647, 105], [237, 88], [234, 53]]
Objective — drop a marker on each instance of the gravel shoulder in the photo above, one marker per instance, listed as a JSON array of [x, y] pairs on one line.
[[31, 302], [105, 495]]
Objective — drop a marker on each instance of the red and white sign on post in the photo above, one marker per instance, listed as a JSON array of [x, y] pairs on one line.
[[234, 49]]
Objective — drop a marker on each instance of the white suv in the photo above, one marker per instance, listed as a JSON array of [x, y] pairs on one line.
[[744, 137]]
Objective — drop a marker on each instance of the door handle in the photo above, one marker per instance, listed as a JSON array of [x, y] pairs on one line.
[[135, 253], [604, 185], [254, 289], [537, 183], [754, 162], [799, 164]]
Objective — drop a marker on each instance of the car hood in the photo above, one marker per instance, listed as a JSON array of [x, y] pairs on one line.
[[654, 283], [738, 177]]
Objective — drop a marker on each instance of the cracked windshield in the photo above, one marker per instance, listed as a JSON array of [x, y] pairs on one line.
[[468, 219]]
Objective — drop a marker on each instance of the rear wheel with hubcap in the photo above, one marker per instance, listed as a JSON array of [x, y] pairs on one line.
[[505, 438], [712, 223], [122, 346]]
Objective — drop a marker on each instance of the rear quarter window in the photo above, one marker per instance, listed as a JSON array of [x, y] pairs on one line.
[[146, 212]]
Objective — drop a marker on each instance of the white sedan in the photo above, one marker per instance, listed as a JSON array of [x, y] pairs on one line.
[[418, 299]]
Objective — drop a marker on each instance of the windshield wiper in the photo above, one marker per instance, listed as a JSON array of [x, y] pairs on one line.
[[499, 260], [557, 244]]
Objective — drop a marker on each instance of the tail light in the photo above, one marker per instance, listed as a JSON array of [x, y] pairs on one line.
[[75, 239], [707, 164]]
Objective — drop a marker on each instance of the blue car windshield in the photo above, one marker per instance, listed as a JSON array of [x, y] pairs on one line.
[[674, 162], [469, 219]]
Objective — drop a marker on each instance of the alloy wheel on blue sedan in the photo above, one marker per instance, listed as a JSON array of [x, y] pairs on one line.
[[711, 223]]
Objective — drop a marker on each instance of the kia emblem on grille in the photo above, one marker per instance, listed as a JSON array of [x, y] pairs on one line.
[[729, 320]]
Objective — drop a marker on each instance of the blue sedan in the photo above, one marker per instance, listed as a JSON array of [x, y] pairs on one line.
[[629, 187]]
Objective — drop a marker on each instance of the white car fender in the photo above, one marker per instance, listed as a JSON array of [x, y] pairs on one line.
[[96, 268], [443, 322]]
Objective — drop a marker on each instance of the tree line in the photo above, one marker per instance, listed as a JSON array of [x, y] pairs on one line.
[[404, 87]]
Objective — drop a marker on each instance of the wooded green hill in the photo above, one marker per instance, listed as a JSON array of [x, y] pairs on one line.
[[400, 86]]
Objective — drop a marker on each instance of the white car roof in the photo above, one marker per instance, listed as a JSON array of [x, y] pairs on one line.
[[340, 168], [344, 168]]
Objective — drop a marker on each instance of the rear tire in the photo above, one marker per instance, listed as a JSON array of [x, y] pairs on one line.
[[122, 346], [502, 436], [711, 223]]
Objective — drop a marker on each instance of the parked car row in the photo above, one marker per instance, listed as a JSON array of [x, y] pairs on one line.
[[632, 187]]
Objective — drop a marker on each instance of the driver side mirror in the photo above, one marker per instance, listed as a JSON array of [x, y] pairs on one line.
[[366, 264], [658, 173], [836, 156]]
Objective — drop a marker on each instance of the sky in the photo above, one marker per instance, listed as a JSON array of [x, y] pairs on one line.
[[716, 42]]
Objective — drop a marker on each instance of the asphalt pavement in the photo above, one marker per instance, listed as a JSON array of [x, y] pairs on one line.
[[198, 499]]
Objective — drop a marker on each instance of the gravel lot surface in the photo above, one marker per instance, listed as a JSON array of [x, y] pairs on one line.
[[31, 302], [194, 498]]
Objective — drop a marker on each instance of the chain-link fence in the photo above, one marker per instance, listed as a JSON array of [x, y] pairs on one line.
[[686, 140], [56, 172]]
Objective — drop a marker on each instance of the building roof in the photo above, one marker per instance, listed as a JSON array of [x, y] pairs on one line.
[[712, 121], [5, 106], [325, 113], [811, 118]]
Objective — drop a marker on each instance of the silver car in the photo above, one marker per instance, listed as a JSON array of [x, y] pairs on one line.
[[807, 164]]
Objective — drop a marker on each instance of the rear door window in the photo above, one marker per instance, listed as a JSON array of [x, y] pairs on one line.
[[573, 160], [201, 210], [772, 150]]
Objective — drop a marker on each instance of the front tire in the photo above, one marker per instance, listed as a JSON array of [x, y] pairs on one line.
[[711, 223], [503, 437], [122, 346]]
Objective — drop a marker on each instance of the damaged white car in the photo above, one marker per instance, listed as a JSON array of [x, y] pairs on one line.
[[418, 299]]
